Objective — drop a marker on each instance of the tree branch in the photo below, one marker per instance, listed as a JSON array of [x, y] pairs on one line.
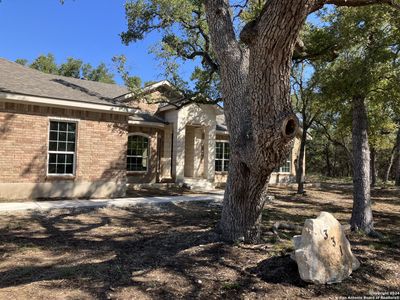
[[221, 28], [335, 142]]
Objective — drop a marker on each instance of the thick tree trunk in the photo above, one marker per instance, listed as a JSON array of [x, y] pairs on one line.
[[361, 218], [373, 167], [256, 91], [397, 166], [245, 196], [391, 161], [300, 161]]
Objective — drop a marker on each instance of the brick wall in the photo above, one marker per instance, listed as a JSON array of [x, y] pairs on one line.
[[24, 130]]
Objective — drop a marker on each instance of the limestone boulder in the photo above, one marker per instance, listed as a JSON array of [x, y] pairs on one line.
[[322, 251]]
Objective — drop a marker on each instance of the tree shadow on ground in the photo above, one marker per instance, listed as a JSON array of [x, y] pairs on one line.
[[279, 269], [283, 270], [124, 253], [168, 251]]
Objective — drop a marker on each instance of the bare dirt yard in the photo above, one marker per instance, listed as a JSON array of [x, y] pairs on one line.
[[172, 251]]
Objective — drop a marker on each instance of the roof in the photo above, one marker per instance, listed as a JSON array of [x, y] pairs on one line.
[[18, 79], [146, 117]]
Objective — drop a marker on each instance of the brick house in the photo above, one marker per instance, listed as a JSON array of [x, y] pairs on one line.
[[63, 137]]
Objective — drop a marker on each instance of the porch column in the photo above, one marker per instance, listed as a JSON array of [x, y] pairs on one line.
[[166, 157], [179, 150], [209, 152], [198, 153]]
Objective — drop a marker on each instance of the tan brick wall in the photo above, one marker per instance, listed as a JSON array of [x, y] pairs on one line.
[[150, 103], [24, 130]]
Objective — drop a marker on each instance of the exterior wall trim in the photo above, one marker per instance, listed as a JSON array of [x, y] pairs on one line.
[[53, 102]]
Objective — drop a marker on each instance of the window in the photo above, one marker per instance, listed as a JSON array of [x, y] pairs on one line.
[[222, 153], [62, 148], [137, 155], [286, 166]]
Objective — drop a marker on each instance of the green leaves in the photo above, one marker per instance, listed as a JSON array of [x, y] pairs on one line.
[[100, 73], [184, 36], [45, 64], [146, 16], [71, 68], [367, 48], [133, 83]]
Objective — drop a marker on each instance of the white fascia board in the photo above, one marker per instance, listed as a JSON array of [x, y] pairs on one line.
[[157, 85], [44, 101], [145, 90]]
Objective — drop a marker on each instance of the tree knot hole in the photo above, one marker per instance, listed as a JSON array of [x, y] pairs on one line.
[[290, 127]]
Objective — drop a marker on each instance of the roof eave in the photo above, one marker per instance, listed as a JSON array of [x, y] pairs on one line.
[[53, 102], [146, 123]]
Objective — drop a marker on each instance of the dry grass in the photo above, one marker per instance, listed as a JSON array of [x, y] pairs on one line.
[[171, 251]]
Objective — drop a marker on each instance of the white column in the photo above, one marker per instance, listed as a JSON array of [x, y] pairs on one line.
[[179, 150], [209, 152], [198, 149], [166, 155]]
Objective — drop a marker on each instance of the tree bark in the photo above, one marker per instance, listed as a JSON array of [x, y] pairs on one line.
[[300, 161], [361, 218], [397, 166], [256, 91]]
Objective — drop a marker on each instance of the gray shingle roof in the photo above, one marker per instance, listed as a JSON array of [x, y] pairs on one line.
[[146, 117], [15, 78]]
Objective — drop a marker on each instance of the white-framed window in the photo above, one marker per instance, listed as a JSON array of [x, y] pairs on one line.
[[286, 167], [62, 148], [137, 153], [222, 154]]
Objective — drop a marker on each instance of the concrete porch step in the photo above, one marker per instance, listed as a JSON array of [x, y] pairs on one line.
[[198, 184]]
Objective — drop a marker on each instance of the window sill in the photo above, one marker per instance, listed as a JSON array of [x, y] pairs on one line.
[[59, 176], [221, 172]]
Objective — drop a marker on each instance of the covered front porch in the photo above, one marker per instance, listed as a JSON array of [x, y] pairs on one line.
[[189, 145]]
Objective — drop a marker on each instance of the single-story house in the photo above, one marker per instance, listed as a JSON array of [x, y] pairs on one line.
[[63, 137]]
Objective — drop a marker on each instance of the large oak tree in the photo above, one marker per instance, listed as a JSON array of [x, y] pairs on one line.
[[254, 70]]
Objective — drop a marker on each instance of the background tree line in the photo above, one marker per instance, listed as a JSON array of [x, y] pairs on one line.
[[75, 68], [363, 62]]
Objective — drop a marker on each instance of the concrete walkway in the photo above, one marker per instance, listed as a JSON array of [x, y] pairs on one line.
[[95, 203]]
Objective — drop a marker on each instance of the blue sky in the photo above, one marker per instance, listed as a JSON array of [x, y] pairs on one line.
[[84, 29]]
